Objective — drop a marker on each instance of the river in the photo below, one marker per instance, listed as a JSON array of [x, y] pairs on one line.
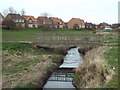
[[62, 77]]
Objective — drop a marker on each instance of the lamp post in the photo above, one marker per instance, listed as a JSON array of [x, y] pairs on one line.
[[119, 12]]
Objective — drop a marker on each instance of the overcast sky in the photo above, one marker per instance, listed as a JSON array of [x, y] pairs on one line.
[[94, 11]]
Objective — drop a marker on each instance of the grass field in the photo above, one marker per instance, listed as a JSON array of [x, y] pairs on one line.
[[111, 56], [24, 66], [27, 33]]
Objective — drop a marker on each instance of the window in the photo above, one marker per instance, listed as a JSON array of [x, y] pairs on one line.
[[61, 26], [44, 22], [16, 20], [30, 21], [20, 20], [60, 22], [30, 25]]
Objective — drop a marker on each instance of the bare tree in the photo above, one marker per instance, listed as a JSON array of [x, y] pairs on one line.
[[22, 12], [9, 24], [11, 10], [45, 14], [5, 12]]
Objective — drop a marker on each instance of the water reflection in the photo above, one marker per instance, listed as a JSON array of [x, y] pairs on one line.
[[62, 77]]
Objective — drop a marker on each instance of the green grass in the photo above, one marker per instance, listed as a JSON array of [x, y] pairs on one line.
[[111, 57], [26, 34], [49, 69], [20, 50], [19, 67], [29, 85], [16, 48], [56, 58]]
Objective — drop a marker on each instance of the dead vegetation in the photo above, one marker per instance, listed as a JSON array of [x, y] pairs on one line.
[[27, 68], [94, 72]]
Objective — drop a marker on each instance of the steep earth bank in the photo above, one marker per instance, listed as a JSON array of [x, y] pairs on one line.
[[94, 72]]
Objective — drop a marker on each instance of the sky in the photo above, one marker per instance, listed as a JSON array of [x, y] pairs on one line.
[[95, 11]]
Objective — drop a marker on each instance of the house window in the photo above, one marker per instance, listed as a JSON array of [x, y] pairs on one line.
[[20, 20], [16, 20], [30, 21], [50, 22], [43, 22], [30, 25], [61, 26], [60, 22]]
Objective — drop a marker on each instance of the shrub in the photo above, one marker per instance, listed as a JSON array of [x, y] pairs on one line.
[[94, 31]]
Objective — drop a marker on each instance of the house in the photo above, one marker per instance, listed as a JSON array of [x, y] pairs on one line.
[[76, 21], [57, 23], [115, 26], [14, 20], [90, 26], [65, 24], [1, 19], [103, 26], [30, 21], [44, 21]]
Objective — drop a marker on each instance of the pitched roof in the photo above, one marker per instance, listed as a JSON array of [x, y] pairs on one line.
[[43, 18], [103, 24], [13, 16], [55, 19], [89, 24], [1, 16], [76, 20], [26, 17]]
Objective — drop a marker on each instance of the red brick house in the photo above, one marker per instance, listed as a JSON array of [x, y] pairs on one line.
[[30, 22], [44, 21], [102, 26], [115, 26], [90, 26], [76, 21], [57, 23]]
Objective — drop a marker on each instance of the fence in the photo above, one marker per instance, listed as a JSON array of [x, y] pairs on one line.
[[52, 39]]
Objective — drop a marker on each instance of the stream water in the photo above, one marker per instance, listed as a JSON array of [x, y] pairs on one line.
[[63, 76]]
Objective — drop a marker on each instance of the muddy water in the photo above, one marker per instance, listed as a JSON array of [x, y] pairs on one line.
[[62, 77]]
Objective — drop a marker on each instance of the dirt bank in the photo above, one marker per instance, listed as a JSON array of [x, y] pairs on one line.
[[28, 67], [94, 72], [84, 49]]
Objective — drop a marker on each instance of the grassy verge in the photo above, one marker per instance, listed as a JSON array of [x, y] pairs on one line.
[[95, 72], [111, 56], [24, 66]]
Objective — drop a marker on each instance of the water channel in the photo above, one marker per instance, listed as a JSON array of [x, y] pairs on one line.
[[63, 76]]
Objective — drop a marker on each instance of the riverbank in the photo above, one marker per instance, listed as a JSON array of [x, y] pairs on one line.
[[96, 72], [25, 66]]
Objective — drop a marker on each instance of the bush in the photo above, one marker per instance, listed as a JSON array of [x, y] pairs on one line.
[[94, 31]]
